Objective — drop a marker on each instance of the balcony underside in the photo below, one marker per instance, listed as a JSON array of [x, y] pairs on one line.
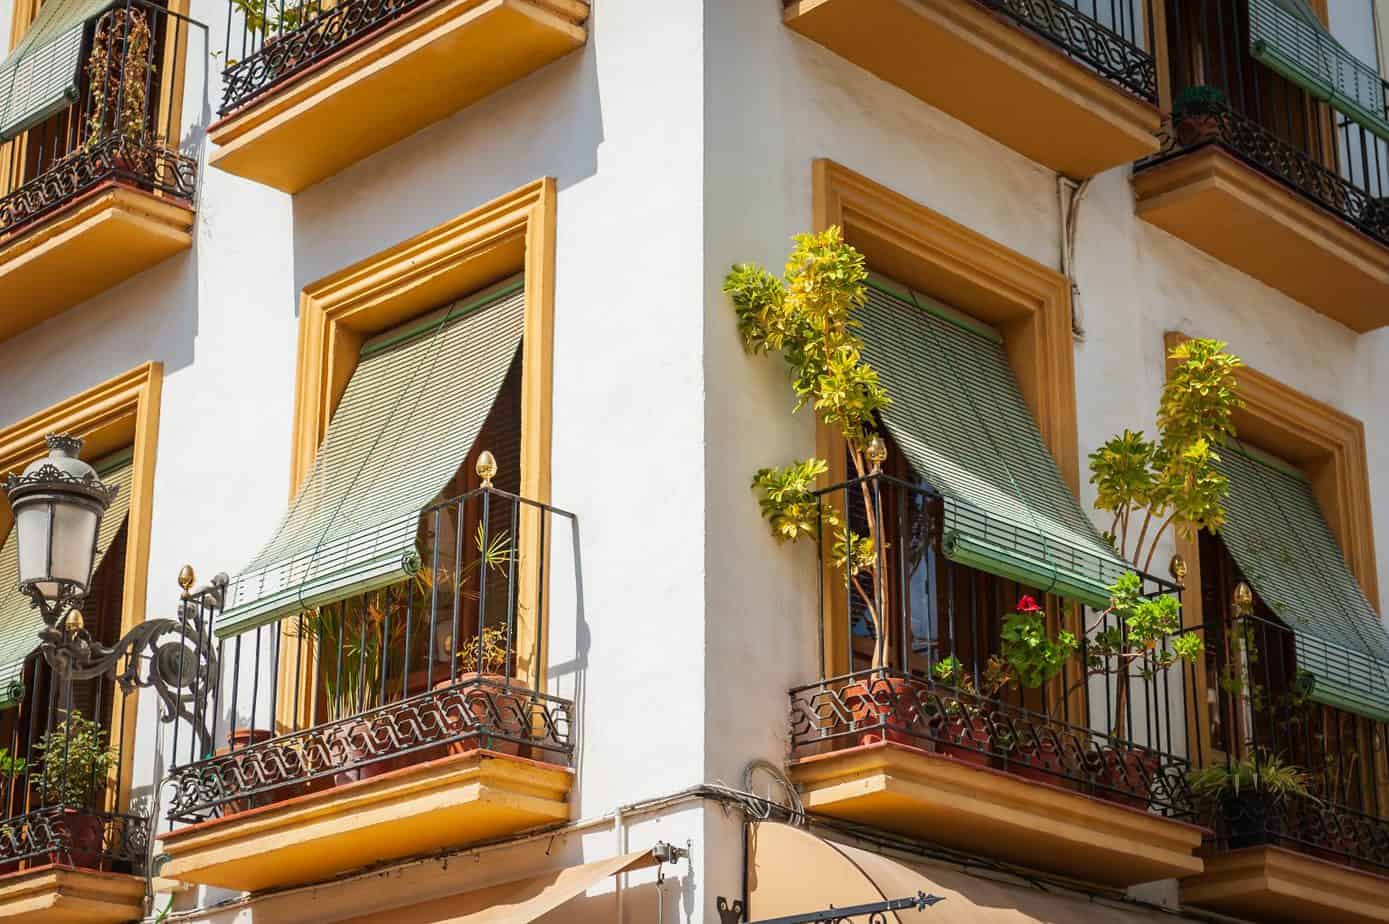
[[71, 896], [989, 73], [85, 248], [1277, 885], [443, 803], [1240, 216], [392, 84], [994, 813]]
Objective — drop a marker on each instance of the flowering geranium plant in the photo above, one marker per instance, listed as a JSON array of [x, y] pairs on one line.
[[1032, 656]]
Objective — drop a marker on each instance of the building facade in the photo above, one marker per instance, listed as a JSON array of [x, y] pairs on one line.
[[404, 325]]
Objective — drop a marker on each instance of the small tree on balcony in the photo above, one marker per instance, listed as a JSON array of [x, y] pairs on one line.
[[807, 317]]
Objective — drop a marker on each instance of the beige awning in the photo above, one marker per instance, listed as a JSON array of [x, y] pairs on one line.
[[520, 901], [792, 871]]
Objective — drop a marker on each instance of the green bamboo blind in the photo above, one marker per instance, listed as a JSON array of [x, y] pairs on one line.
[[1277, 535], [1287, 36], [41, 76], [407, 420], [959, 417], [19, 621]]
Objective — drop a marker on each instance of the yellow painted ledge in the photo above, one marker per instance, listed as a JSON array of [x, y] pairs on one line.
[[443, 803], [988, 73], [390, 85], [85, 248], [941, 799], [1217, 203], [70, 896], [1273, 884]]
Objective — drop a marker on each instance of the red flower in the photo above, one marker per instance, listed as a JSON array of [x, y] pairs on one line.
[[1028, 605]]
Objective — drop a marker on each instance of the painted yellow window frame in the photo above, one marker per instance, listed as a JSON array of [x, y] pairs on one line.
[[337, 314], [1027, 302], [121, 412], [1328, 445]]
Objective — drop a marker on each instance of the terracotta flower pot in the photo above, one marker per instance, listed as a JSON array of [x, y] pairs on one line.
[[86, 832], [239, 740], [1127, 776], [884, 702], [356, 735], [478, 706], [1197, 128], [961, 737]]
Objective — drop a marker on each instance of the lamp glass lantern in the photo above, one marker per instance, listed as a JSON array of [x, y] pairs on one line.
[[58, 503]]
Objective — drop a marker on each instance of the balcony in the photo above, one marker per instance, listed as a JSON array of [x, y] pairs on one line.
[[1083, 773], [1070, 85], [379, 737], [1320, 856], [314, 88], [68, 850], [1261, 176], [106, 188]]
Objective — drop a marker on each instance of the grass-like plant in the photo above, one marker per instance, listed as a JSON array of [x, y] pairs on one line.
[[1257, 772], [807, 317]]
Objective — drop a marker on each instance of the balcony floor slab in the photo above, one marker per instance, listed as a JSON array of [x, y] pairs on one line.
[[53, 894], [1277, 885], [993, 813], [449, 802]]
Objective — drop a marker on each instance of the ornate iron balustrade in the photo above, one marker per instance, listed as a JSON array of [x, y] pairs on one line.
[[77, 837], [295, 37], [872, 706], [1308, 825], [478, 713], [1284, 162], [1111, 49], [430, 666], [109, 135], [145, 165]]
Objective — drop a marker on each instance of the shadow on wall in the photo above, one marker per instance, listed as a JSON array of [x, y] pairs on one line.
[[671, 902], [547, 124]]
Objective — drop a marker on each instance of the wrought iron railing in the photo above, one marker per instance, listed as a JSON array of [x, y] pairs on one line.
[[1264, 705], [435, 665], [1111, 721], [66, 775], [125, 127], [1111, 37], [1223, 96], [1308, 825]]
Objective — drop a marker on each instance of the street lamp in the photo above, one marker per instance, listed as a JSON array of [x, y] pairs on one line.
[[58, 504]]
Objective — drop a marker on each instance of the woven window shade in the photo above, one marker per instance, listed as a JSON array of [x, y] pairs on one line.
[[20, 622], [1277, 535], [407, 420], [959, 417], [1287, 36], [41, 76]]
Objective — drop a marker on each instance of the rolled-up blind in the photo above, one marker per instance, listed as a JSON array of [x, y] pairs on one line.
[[1287, 36], [960, 419], [19, 621], [42, 75], [1275, 531], [407, 420]]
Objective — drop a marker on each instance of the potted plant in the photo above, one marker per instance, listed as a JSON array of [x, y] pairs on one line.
[[806, 316], [119, 69], [1032, 659], [74, 761], [962, 729], [1248, 794], [1196, 114]]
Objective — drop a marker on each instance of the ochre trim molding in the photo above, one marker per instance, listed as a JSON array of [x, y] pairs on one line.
[[1030, 305], [63, 893], [1328, 445], [121, 412], [338, 313]]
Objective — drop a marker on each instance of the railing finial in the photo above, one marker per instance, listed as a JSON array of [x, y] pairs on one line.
[[486, 467]]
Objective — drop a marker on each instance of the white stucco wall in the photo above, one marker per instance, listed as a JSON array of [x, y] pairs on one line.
[[681, 138]]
